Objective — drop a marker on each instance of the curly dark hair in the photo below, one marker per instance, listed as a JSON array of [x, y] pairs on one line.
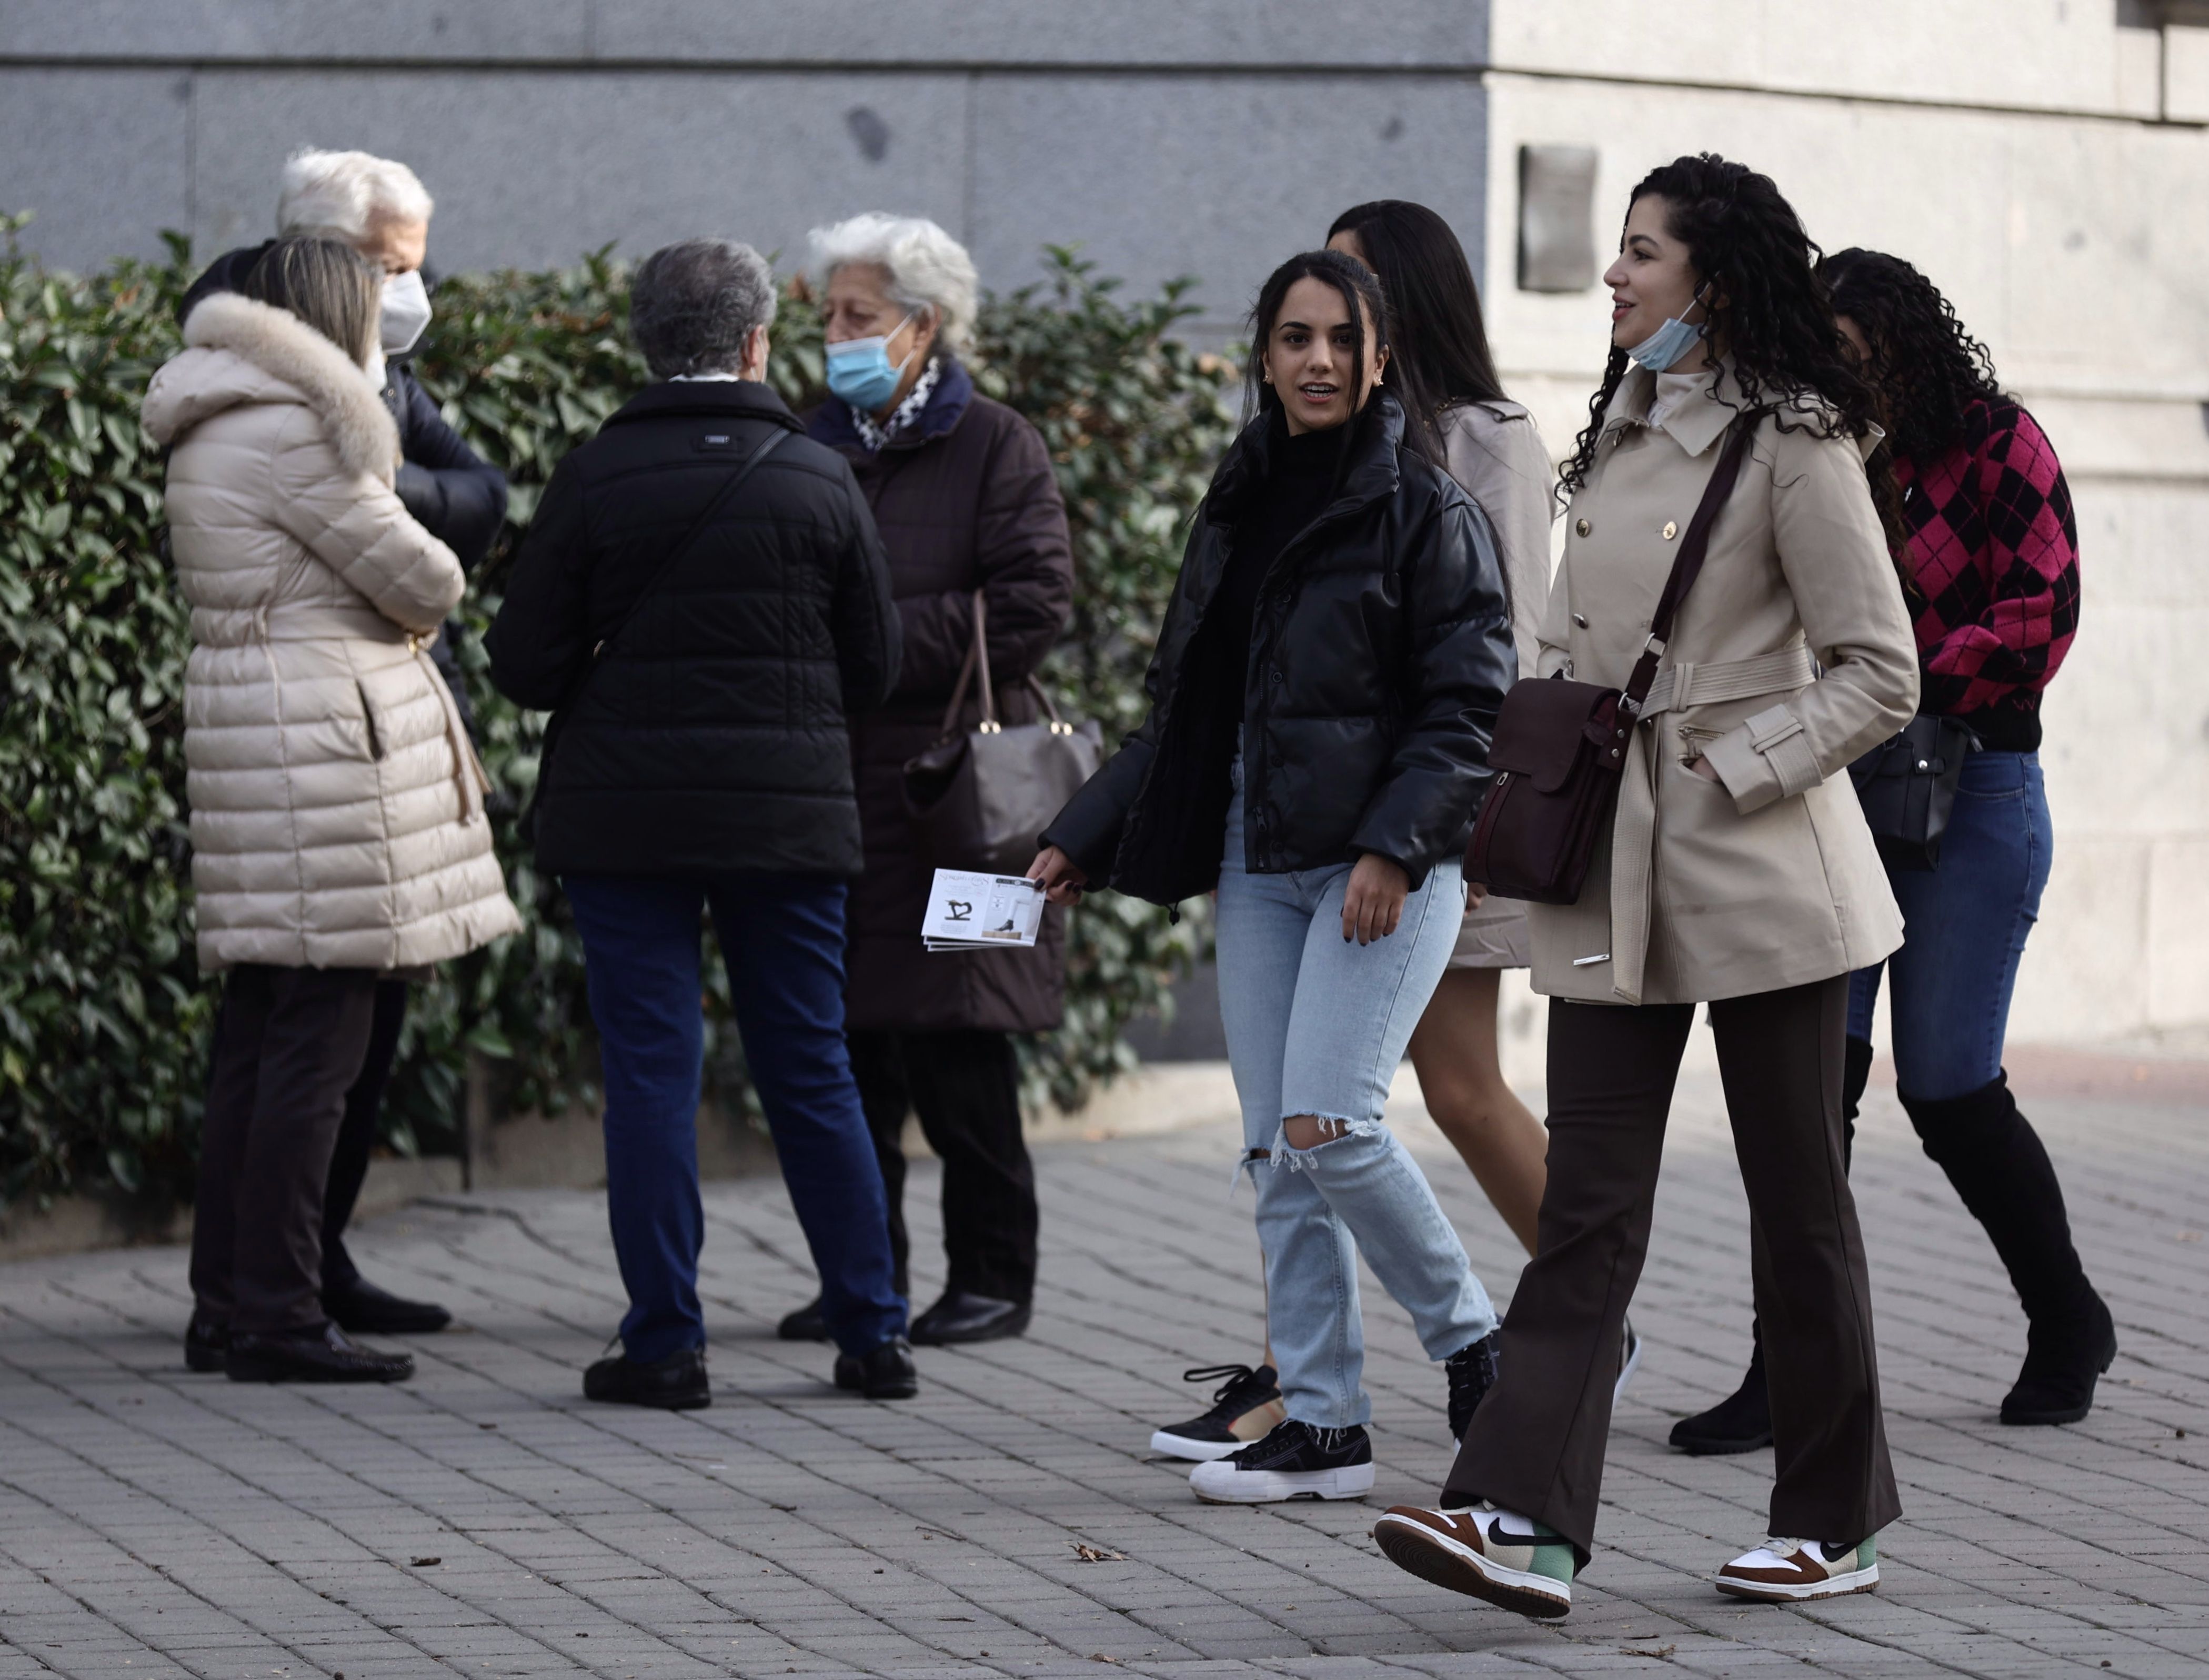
[[1774, 321], [1925, 368]]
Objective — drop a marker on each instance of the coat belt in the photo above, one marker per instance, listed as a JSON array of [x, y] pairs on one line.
[[1634, 832]]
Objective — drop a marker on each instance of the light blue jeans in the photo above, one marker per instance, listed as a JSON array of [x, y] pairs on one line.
[[1316, 1024]]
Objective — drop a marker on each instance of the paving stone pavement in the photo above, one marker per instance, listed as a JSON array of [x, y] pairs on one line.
[[483, 1519]]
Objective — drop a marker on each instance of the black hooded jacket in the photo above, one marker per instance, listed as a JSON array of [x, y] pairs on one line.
[[1379, 654]]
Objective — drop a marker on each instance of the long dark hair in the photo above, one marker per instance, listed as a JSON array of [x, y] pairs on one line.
[[1367, 304], [330, 286], [1925, 367], [1441, 355]]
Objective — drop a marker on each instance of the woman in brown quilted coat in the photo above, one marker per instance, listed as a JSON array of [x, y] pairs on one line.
[[337, 808], [964, 496]]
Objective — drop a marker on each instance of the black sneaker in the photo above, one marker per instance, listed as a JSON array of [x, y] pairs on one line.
[[1296, 1461], [676, 1383], [1740, 1423], [1471, 1372], [1629, 1359], [888, 1373], [1244, 1408]]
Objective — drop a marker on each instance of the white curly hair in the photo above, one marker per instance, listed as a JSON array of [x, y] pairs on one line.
[[927, 268], [340, 193]]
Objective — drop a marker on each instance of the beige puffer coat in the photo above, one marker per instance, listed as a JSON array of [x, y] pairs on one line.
[[337, 814]]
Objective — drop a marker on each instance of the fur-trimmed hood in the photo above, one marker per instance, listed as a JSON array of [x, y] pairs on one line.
[[239, 350]]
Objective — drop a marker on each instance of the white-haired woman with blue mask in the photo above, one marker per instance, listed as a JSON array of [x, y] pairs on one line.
[[968, 507]]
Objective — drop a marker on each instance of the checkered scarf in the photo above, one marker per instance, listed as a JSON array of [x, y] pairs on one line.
[[1995, 546]]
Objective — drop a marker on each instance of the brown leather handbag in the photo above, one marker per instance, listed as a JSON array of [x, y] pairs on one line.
[[979, 798], [1560, 746]]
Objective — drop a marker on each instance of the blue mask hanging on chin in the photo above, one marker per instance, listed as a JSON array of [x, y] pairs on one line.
[[1659, 349], [1668, 343], [860, 370]]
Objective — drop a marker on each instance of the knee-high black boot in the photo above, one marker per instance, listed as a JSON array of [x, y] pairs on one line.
[[1742, 1422], [2000, 1168]]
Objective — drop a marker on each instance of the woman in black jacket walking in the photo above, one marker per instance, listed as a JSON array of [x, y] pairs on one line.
[[1322, 700]]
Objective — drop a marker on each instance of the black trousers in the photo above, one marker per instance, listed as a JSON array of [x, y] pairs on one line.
[[289, 1042], [1536, 1446], [966, 1086], [356, 1132]]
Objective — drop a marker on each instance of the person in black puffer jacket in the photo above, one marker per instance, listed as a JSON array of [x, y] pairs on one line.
[[704, 643], [381, 209], [1326, 684]]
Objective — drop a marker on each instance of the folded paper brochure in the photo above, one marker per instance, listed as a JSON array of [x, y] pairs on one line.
[[967, 911]]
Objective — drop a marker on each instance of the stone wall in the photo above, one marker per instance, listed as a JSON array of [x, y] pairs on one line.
[[1205, 137], [2045, 163]]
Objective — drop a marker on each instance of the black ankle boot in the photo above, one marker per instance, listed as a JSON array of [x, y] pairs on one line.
[[2001, 1170], [1740, 1423]]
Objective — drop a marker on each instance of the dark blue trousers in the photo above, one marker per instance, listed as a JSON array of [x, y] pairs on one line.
[[782, 938]]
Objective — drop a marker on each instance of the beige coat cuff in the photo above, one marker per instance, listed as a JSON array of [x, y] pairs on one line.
[[1765, 759]]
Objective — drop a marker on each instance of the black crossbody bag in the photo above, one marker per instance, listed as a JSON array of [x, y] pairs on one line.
[[557, 722], [1907, 787]]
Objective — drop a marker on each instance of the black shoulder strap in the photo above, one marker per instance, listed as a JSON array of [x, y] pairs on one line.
[[1693, 547]]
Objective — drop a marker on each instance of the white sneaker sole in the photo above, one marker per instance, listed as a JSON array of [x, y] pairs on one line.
[[1418, 1550], [1232, 1486], [1833, 1586], [1182, 1447]]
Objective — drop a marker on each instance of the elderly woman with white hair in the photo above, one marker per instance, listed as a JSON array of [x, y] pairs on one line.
[[379, 208], [969, 510]]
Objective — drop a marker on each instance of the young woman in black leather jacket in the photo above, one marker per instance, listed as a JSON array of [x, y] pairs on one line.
[[1322, 696]]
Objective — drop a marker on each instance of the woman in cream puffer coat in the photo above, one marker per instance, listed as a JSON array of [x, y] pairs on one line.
[[337, 808], [337, 814]]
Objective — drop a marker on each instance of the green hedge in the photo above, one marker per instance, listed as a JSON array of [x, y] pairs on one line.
[[104, 1016]]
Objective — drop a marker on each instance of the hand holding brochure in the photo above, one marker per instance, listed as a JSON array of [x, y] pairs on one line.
[[968, 911]]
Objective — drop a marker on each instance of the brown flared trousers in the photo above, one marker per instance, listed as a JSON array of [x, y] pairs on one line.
[[1536, 1445]]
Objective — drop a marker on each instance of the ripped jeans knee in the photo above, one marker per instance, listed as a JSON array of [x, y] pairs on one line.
[[1325, 1130], [1302, 1136]]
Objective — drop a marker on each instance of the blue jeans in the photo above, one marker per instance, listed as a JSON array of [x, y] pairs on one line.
[[1315, 1025], [782, 939], [1965, 924]]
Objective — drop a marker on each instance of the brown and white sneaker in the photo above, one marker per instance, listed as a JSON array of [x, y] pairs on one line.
[[1511, 1561], [1788, 1571]]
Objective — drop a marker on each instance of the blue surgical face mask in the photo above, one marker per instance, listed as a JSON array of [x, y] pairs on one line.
[[1668, 343], [860, 373]]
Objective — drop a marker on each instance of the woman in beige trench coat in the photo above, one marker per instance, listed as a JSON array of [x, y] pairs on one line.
[[1738, 873]]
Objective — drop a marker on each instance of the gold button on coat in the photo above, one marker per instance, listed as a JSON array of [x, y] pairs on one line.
[[1671, 530], [1582, 528]]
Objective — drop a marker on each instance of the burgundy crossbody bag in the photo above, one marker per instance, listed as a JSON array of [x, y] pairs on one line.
[[1560, 746]]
